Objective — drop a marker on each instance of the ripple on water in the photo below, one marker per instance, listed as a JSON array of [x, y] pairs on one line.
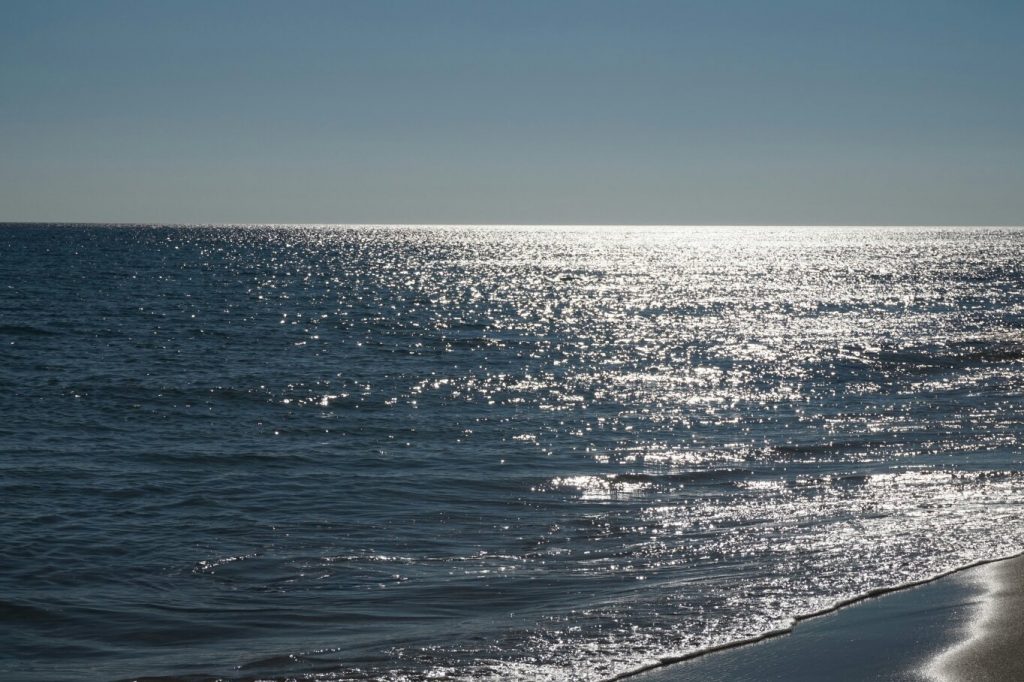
[[490, 453]]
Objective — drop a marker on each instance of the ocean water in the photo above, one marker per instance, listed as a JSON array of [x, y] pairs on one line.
[[487, 453]]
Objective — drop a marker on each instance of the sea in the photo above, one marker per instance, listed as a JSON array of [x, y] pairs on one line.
[[552, 453]]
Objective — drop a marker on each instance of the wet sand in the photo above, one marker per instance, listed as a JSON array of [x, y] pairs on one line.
[[993, 648], [965, 627]]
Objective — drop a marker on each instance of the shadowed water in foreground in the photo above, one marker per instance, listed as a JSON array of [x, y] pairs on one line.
[[491, 453]]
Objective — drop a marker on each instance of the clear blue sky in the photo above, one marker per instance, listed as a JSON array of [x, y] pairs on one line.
[[736, 112]]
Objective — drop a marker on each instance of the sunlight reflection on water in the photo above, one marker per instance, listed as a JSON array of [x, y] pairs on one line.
[[501, 453]]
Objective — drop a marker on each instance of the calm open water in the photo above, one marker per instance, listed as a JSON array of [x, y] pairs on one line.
[[497, 453]]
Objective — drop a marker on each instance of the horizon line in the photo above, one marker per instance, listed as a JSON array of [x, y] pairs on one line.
[[100, 223]]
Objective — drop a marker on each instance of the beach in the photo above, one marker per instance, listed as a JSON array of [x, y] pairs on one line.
[[964, 626], [992, 647]]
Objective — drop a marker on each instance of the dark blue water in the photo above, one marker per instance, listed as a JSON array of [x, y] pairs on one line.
[[321, 452]]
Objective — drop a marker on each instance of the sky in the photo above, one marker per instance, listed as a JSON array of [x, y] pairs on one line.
[[553, 111]]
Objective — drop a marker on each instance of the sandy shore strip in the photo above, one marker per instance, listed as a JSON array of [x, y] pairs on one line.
[[993, 647], [966, 626]]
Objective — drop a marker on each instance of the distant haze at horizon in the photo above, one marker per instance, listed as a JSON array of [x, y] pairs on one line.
[[735, 113]]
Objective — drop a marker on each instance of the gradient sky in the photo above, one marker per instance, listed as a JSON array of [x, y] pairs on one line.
[[578, 111]]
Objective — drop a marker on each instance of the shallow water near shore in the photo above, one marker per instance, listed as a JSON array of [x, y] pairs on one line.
[[549, 453]]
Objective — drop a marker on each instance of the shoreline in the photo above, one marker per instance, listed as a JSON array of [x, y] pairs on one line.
[[965, 605]]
